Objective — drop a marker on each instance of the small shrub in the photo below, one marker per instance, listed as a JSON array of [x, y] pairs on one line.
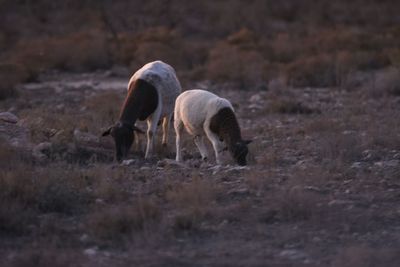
[[383, 133], [10, 76], [337, 148], [78, 51], [296, 204], [357, 256], [18, 186], [118, 223], [108, 184], [104, 109], [388, 82], [317, 71], [237, 59], [159, 43], [11, 158], [62, 190], [194, 201], [46, 256], [290, 107], [15, 219], [58, 190]]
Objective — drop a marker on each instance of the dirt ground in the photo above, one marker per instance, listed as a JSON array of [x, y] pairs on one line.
[[322, 186]]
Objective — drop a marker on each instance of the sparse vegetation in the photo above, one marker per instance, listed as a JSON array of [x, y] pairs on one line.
[[315, 85]]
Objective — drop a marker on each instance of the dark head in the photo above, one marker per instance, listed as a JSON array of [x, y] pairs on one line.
[[239, 151], [123, 138]]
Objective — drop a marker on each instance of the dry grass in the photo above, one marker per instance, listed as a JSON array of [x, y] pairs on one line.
[[15, 219], [387, 82], [59, 190], [356, 256], [287, 106], [194, 201], [103, 110], [46, 256], [342, 147], [318, 51], [120, 223], [10, 75], [317, 71], [324, 184]]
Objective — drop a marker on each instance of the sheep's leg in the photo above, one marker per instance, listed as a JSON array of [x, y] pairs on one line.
[[199, 141], [137, 141], [151, 132], [165, 125], [178, 125], [217, 145]]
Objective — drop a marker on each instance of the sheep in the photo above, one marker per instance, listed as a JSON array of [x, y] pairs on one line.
[[203, 113], [152, 91]]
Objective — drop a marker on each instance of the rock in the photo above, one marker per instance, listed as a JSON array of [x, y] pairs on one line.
[[15, 134], [8, 117], [389, 163], [239, 192], [83, 137], [84, 238], [128, 162], [171, 163], [90, 251], [256, 98], [357, 165], [235, 168], [293, 254], [145, 168], [339, 202], [41, 151]]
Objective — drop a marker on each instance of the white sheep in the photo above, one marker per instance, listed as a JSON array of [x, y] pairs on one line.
[[203, 113], [152, 92]]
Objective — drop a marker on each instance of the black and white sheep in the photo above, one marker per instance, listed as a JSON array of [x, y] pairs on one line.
[[203, 113], [152, 92]]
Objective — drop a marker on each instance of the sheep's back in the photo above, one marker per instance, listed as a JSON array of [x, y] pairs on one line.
[[195, 107], [163, 77]]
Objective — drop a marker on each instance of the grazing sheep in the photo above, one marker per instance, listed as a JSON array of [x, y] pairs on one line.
[[204, 113], [152, 91]]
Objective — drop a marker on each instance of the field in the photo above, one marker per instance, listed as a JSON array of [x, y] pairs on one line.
[[316, 86]]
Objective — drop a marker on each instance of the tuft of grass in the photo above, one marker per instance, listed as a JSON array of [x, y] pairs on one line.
[[119, 223], [103, 109], [287, 106], [10, 76], [340, 147], [57, 190], [46, 256], [357, 256], [296, 204], [387, 82], [194, 201], [15, 219], [236, 60], [316, 71]]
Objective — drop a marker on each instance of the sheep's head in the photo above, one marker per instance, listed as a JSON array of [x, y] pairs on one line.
[[239, 151], [123, 138]]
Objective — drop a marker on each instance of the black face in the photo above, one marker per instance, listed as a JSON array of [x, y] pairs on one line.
[[123, 138], [240, 152]]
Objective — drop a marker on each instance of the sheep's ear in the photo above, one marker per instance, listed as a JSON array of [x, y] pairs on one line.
[[138, 130], [247, 141], [107, 132]]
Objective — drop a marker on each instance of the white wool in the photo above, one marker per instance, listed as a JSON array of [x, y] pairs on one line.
[[194, 110], [196, 107], [163, 77]]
